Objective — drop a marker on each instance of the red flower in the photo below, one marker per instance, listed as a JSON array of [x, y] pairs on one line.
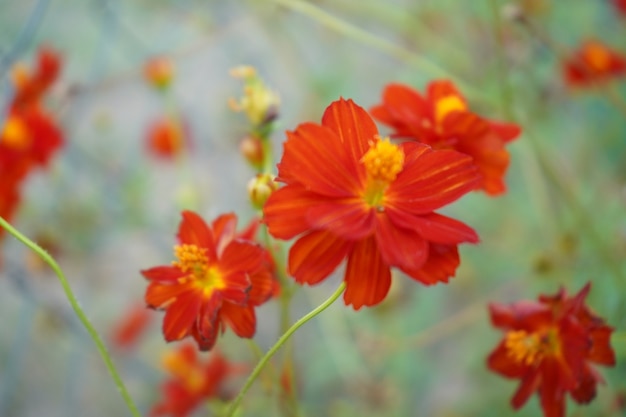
[[592, 63], [351, 195], [217, 279], [131, 326], [620, 5], [550, 345], [159, 72], [191, 381], [167, 138], [443, 120], [31, 86]]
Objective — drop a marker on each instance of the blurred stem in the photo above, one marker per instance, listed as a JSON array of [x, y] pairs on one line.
[[281, 341], [502, 73], [79, 312], [354, 32]]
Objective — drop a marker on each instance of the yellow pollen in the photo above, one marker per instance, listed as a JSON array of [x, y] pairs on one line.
[[447, 105], [529, 348], [183, 370], [383, 161], [15, 134], [597, 56], [194, 260]]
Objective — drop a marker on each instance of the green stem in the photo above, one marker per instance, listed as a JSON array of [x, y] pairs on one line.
[[79, 312], [281, 341]]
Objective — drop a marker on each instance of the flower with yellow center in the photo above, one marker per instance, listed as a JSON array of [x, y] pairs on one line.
[[383, 161]]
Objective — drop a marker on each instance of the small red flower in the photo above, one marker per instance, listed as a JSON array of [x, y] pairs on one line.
[[159, 72], [550, 345], [217, 280], [443, 120], [351, 195], [167, 138], [130, 327], [593, 62], [191, 381]]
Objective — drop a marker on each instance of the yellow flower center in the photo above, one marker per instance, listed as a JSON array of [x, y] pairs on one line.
[[530, 348], [183, 370], [194, 260], [447, 105], [15, 134], [597, 56], [383, 162]]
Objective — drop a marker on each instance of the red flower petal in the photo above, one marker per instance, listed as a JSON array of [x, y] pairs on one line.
[[368, 277], [403, 108], [285, 212], [241, 256], [159, 295], [224, 231], [316, 255], [500, 361], [432, 181], [349, 218], [241, 319], [400, 247], [353, 125], [194, 231], [435, 227], [263, 286], [180, 316], [315, 157], [551, 392], [529, 384], [163, 274], [442, 262]]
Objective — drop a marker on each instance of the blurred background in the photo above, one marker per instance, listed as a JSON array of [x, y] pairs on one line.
[[107, 208]]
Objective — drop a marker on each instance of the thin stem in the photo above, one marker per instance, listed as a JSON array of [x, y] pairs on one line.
[[79, 312], [281, 341]]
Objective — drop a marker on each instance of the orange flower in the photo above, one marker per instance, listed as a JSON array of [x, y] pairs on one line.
[[159, 72], [217, 279], [550, 345], [592, 63], [191, 381], [350, 194], [442, 119], [167, 138]]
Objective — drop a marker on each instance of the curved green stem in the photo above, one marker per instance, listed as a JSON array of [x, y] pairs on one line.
[[281, 341], [79, 312]]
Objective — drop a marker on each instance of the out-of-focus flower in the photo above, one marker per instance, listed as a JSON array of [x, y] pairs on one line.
[[260, 188], [620, 5], [251, 147], [192, 381], [30, 86], [551, 346], [131, 326], [159, 72], [593, 62], [258, 102], [443, 120], [351, 195], [216, 280], [167, 138]]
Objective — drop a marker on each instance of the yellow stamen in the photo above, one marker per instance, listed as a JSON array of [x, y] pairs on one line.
[[15, 134], [447, 105], [530, 348], [383, 161], [194, 260], [183, 370], [597, 56]]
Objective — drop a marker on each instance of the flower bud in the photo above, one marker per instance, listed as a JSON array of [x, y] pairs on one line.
[[251, 148], [159, 72], [260, 188]]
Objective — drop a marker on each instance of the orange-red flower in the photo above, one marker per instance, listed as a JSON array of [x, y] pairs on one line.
[[167, 138], [443, 120], [351, 195], [551, 345], [217, 279], [159, 72], [593, 62], [191, 381]]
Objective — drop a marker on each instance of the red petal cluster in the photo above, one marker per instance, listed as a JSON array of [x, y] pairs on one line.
[[442, 120], [29, 136], [550, 345], [191, 381], [337, 211], [217, 281], [593, 62]]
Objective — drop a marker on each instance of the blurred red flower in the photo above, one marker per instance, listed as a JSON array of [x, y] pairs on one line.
[[130, 327], [159, 72], [593, 62], [620, 5], [350, 194], [191, 381], [550, 345], [442, 119], [217, 279], [167, 138]]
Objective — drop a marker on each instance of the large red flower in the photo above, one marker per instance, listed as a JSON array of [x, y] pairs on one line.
[[550, 345], [351, 195], [443, 120], [191, 381], [217, 280], [593, 62]]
